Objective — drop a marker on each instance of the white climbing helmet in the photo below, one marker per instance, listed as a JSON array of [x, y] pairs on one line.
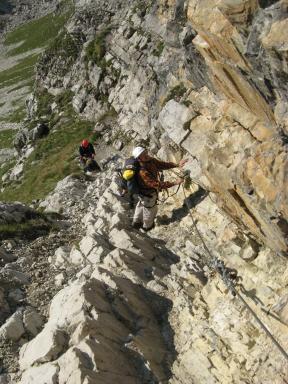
[[137, 151]]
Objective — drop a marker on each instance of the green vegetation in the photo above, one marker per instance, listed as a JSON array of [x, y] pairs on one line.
[[51, 161], [64, 46], [175, 93], [16, 116], [64, 99], [20, 72], [44, 101], [37, 33], [159, 49], [123, 136], [28, 83], [6, 138], [96, 49], [187, 103], [142, 7]]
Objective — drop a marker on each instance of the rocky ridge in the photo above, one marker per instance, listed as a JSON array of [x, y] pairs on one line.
[[182, 78], [145, 299], [186, 79]]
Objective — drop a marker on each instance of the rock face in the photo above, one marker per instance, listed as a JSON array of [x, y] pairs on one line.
[[209, 77], [199, 78], [140, 310], [15, 213]]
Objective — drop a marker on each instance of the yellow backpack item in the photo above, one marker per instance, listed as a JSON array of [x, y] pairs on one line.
[[128, 174]]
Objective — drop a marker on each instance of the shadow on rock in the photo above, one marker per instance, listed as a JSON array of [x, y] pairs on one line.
[[179, 213], [149, 341]]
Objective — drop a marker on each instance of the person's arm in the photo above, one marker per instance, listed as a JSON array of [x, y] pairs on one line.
[[163, 165], [150, 182]]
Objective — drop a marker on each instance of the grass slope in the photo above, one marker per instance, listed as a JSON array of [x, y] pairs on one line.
[[6, 138], [36, 34], [53, 158]]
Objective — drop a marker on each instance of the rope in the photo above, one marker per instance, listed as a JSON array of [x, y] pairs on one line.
[[219, 266], [168, 195]]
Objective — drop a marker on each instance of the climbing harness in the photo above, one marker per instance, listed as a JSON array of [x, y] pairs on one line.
[[228, 276]]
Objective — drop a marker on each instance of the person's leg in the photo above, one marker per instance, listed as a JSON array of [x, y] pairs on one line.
[[149, 212], [138, 215]]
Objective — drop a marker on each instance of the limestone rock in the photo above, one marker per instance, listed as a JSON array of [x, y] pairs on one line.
[[62, 256], [9, 276], [5, 256], [79, 101], [44, 374], [76, 256], [16, 171], [39, 131], [13, 329], [32, 321], [94, 75], [45, 347], [174, 118]]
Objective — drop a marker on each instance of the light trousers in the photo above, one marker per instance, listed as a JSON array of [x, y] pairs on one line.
[[146, 210]]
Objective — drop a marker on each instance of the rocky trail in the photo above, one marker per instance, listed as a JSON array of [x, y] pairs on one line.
[[117, 304], [84, 297]]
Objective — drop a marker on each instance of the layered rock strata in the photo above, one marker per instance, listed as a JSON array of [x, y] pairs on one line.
[[208, 80], [197, 76]]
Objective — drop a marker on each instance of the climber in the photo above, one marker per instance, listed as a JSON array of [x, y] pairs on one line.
[[87, 153], [149, 186]]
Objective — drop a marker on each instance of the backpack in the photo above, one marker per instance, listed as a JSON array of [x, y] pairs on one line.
[[91, 165], [130, 172]]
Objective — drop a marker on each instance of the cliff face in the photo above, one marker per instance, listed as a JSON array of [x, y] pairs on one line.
[[207, 77], [201, 79]]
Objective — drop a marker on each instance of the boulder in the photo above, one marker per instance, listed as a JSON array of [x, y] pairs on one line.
[[44, 374], [39, 131], [79, 101], [76, 256], [8, 276], [174, 119], [17, 295], [13, 328], [46, 346], [5, 256], [62, 255], [94, 75], [16, 171], [32, 320]]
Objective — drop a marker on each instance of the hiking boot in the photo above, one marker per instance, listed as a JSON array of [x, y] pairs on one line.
[[137, 225], [148, 229]]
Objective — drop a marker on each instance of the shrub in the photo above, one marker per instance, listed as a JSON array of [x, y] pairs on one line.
[[176, 93], [96, 49]]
